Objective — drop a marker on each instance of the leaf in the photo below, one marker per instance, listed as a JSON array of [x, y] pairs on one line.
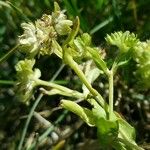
[[98, 111], [82, 112], [73, 33], [126, 131], [107, 132], [56, 7], [98, 59], [91, 72]]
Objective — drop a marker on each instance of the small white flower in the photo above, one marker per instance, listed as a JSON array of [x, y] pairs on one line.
[[37, 38], [61, 23], [29, 36]]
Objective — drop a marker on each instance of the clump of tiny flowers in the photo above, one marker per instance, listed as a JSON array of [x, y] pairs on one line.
[[41, 37]]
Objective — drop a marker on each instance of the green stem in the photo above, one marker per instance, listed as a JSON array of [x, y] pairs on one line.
[[69, 60], [111, 94], [6, 56], [60, 88], [72, 94]]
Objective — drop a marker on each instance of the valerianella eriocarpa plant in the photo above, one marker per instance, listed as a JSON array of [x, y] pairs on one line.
[[59, 35]]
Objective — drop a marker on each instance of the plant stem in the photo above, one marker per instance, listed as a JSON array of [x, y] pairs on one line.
[[82, 77], [6, 56], [60, 88], [111, 94]]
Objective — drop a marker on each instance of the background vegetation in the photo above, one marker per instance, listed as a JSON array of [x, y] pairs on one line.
[[98, 17]]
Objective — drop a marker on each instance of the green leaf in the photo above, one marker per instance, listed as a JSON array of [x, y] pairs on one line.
[[126, 131], [98, 59], [73, 33], [82, 112], [97, 110], [107, 132], [56, 7], [91, 72]]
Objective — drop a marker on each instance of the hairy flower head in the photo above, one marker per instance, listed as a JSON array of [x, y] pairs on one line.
[[142, 57], [123, 40], [37, 38], [26, 79], [41, 37]]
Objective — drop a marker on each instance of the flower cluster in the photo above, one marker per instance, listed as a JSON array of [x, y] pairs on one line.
[[140, 53], [26, 79], [142, 57], [123, 40], [41, 37]]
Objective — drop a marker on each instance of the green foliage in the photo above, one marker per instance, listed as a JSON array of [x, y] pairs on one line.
[[57, 34], [36, 39], [82, 112], [107, 132]]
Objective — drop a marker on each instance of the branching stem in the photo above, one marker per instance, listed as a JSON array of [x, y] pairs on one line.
[[69, 60]]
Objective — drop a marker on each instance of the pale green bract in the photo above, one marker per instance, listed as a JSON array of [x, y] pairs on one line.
[[84, 113], [26, 79], [78, 48], [91, 72]]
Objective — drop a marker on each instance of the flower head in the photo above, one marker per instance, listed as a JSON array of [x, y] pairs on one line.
[[61, 23], [123, 40], [39, 37], [142, 57], [26, 79], [28, 41]]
